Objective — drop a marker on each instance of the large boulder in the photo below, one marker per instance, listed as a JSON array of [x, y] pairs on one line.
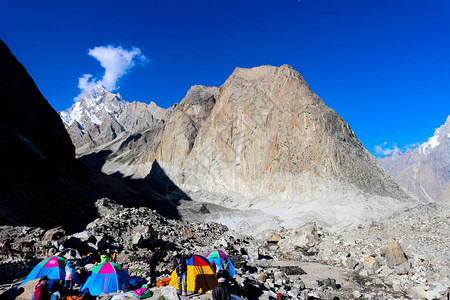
[[305, 237], [169, 292], [395, 254], [57, 234], [144, 236], [84, 236]]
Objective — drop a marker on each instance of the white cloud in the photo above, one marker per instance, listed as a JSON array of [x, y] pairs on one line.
[[84, 83], [385, 151], [117, 61]]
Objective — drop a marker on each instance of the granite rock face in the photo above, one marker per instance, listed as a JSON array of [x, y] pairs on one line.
[[268, 127], [269, 139], [425, 170], [263, 137]]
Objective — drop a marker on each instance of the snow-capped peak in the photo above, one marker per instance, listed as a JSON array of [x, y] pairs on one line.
[[434, 141], [90, 104]]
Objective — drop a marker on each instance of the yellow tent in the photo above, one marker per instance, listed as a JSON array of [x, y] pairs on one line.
[[201, 276]]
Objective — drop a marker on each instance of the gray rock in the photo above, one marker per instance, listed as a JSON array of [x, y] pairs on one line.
[[395, 254], [83, 236], [144, 236], [57, 234], [403, 268], [294, 292], [356, 294]]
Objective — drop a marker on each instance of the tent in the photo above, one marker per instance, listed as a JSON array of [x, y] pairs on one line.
[[201, 276], [218, 258], [53, 267], [106, 278]]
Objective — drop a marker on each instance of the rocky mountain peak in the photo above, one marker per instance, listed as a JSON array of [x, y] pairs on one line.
[[198, 102], [93, 106], [270, 138], [441, 135], [425, 170], [265, 72], [198, 94], [98, 117], [263, 137]]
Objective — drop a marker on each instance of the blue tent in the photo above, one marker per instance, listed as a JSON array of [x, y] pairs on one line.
[[218, 257], [105, 278], [53, 267]]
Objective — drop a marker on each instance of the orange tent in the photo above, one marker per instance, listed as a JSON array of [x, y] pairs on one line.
[[201, 276]]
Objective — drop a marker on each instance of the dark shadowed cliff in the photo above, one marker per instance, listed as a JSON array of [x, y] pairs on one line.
[[42, 184]]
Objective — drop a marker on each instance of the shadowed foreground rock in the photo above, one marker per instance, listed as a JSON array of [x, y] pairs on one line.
[[42, 184]]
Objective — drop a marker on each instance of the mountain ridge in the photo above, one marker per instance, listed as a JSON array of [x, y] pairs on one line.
[[425, 170], [98, 117], [263, 136]]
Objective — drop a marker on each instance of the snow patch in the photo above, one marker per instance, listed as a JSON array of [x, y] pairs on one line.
[[425, 194], [432, 143], [94, 118]]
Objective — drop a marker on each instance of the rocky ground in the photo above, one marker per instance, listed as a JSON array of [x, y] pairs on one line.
[[403, 257]]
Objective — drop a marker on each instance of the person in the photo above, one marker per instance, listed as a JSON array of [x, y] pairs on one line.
[[224, 269], [70, 274], [181, 269], [220, 292], [104, 258], [152, 261], [226, 265], [214, 267], [41, 291], [57, 288], [113, 256]]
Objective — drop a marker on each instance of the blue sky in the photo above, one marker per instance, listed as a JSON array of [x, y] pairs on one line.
[[382, 65]]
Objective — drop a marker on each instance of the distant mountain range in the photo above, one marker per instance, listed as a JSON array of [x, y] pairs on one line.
[[263, 137], [425, 170]]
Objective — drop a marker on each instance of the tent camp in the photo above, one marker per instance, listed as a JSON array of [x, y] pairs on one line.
[[53, 267], [106, 278], [218, 257], [201, 276]]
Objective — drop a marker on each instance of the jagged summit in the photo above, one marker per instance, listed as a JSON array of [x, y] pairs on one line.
[[425, 170], [99, 116], [92, 106], [441, 135]]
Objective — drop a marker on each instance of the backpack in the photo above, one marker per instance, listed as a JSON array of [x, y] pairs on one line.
[[138, 282]]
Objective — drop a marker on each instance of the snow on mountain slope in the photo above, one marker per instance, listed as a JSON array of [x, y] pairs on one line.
[[424, 171], [99, 117], [93, 104]]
